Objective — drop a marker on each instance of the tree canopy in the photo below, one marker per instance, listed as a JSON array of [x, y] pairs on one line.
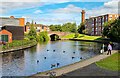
[[81, 28], [68, 27], [112, 30], [32, 33]]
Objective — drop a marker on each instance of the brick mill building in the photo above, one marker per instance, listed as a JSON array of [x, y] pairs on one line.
[[13, 25], [94, 25], [38, 27]]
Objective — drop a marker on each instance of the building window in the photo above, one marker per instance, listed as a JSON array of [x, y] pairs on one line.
[[110, 17], [42, 27], [96, 29], [38, 27], [102, 23], [92, 29], [103, 19], [92, 25], [96, 20], [96, 33], [38, 30]]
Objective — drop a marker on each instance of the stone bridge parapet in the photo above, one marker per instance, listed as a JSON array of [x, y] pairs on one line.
[[60, 34]]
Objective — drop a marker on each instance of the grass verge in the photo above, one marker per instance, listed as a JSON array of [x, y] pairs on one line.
[[110, 63], [85, 37], [18, 43]]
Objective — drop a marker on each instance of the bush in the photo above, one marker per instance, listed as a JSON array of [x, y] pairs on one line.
[[43, 36], [76, 35]]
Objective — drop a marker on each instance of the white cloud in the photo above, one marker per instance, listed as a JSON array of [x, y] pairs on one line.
[[55, 1], [69, 9], [38, 11], [7, 6], [70, 13]]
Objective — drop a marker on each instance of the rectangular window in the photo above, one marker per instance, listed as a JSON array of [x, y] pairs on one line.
[[42, 27], [5, 38], [38, 30]]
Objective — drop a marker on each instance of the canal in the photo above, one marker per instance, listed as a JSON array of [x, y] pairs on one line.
[[46, 56]]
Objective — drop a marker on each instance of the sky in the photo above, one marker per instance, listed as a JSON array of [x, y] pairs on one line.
[[49, 12]]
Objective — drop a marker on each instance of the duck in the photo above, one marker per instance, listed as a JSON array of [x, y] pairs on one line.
[[80, 57], [37, 61], [74, 52], [58, 64], [52, 65], [73, 57], [63, 51], [44, 57]]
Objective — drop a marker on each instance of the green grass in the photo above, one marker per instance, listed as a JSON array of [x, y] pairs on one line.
[[110, 63], [85, 37], [18, 43]]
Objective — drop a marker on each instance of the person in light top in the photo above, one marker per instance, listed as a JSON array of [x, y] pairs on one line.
[[109, 49]]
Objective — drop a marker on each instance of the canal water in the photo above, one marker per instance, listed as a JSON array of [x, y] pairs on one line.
[[39, 58]]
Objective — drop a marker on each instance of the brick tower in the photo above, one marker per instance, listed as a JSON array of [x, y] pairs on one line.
[[83, 15]]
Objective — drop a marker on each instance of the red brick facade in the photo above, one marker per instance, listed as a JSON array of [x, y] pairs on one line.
[[95, 24], [5, 32]]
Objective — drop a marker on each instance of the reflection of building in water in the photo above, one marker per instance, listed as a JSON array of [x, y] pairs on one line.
[[14, 62]]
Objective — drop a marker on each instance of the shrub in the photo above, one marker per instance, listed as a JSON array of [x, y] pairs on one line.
[[76, 35]]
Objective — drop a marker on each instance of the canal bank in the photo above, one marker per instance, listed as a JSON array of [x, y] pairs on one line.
[[72, 67], [99, 41], [23, 47]]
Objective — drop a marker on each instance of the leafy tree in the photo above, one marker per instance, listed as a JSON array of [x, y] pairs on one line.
[[69, 27], [81, 28], [43, 36], [56, 27], [112, 30], [32, 33]]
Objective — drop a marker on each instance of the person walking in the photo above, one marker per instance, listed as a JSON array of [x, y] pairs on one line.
[[102, 50], [109, 49]]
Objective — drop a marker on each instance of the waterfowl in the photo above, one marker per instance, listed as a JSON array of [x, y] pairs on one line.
[[44, 57], [63, 51], [80, 57], [73, 57], [37, 61], [58, 64]]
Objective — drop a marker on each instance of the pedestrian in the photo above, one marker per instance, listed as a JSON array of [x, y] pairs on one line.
[[102, 50], [109, 49]]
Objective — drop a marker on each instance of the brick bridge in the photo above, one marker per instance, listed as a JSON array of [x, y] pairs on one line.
[[60, 34]]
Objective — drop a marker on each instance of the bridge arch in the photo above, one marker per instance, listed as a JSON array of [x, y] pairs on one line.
[[60, 34], [54, 37]]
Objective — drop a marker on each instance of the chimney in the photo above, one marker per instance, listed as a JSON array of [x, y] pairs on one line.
[[83, 15]]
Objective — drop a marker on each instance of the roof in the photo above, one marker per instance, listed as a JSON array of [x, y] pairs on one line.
[[103, 15]]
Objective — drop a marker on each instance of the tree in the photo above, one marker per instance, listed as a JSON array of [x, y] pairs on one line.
[[32, 33], [69, 27], [81, 28], [43, 36], [56, 27], [112, 30]]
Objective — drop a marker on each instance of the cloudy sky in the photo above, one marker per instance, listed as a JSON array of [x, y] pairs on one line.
[[49, 12]]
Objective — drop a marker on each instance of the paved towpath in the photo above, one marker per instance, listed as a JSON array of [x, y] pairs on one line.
[[75, 66]]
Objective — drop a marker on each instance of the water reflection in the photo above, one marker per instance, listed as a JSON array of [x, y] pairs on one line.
[[44, 55]]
